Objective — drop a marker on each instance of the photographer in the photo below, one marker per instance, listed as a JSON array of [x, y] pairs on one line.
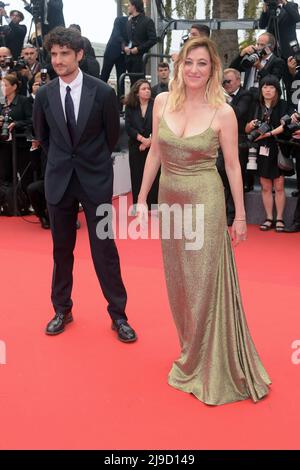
[[264, 126], [286, 15], [48, 12], [294, 70], [36, 190], [16, 115], [259, 61], [141, 37], [30, 56], [15, 33], [240, 100], [5, 64]]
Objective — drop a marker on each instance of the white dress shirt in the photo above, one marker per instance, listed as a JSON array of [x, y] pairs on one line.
[[76, 89]]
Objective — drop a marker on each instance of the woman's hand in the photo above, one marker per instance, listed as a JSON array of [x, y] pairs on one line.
[[238, 231], [142, 214], [263, 136], [35, 144]]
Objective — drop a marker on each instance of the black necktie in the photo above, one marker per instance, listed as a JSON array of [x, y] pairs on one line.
[[70, 115]]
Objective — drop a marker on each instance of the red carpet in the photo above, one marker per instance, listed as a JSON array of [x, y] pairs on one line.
[[86, 390]]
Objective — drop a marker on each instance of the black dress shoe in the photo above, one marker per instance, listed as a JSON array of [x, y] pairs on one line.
[[58, 323], [124, 330], [45, 223], [293, 228], [295, 193]]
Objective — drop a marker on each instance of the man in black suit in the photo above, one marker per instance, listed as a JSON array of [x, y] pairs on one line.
[[163, 73], [50, 14], [114, 53], [76, 119], [286, 15], [240, 100], [268, 64], [141, 37], [16, 32]]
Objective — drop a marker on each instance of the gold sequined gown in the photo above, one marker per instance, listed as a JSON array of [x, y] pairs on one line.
[[218, 361]]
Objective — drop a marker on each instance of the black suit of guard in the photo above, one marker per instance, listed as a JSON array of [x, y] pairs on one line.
[[81, 172]]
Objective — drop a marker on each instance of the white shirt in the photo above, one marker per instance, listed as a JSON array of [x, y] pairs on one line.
[[76, 89], [232, 95]]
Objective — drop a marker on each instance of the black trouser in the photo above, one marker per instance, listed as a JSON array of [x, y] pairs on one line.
[[134, 64], [36, 193], [105, 256], [120, 68]]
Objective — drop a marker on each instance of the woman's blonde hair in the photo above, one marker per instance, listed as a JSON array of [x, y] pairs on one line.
[[214, 93]]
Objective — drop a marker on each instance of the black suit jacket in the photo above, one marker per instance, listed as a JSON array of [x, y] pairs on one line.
[[97, 134], [15, 39], [144, 35], [118, 39], [287, 19], [274, 66], [241, 104], [136, 124]]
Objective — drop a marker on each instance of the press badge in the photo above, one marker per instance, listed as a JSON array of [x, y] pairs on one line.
[[264, 151]]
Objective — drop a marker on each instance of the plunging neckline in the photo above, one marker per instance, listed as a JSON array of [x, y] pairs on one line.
[[189, 136]]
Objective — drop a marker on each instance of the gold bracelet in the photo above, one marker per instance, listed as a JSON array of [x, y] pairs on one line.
[[240, 220]]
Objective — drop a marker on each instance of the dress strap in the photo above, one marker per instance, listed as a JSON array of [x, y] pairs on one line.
[[213, 118]]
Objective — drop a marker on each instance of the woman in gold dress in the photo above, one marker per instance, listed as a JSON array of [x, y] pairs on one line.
[[218, 361]]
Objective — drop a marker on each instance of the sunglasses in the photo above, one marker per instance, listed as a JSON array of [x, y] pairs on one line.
[[226, 82]]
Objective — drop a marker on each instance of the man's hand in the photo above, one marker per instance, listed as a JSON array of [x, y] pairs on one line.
[[134, 51], [292, 64], [3, 12], [248, 50]]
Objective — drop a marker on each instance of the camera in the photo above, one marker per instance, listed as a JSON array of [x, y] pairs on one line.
[[6, 121], [250, 59], [36, 8], [294, 45], [290, 126], [260, 129], [20, 64], [44, 77], [7, 64], [272, 4]]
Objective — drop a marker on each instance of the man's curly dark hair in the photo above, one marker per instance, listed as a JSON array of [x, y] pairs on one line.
[[64, 37]]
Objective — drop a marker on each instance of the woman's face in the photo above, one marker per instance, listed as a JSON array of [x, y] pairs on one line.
[[7, 88], [144, 92], [268, 92], [197, 68]]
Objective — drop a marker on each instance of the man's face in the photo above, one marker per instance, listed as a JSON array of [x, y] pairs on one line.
[[194, 33], [163, 74], [231, 82], [262, 42], [15, 18], [64, 60], [30, 55], [4, 53]]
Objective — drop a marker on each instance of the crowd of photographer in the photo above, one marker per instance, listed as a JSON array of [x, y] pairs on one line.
[[256, 83]]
